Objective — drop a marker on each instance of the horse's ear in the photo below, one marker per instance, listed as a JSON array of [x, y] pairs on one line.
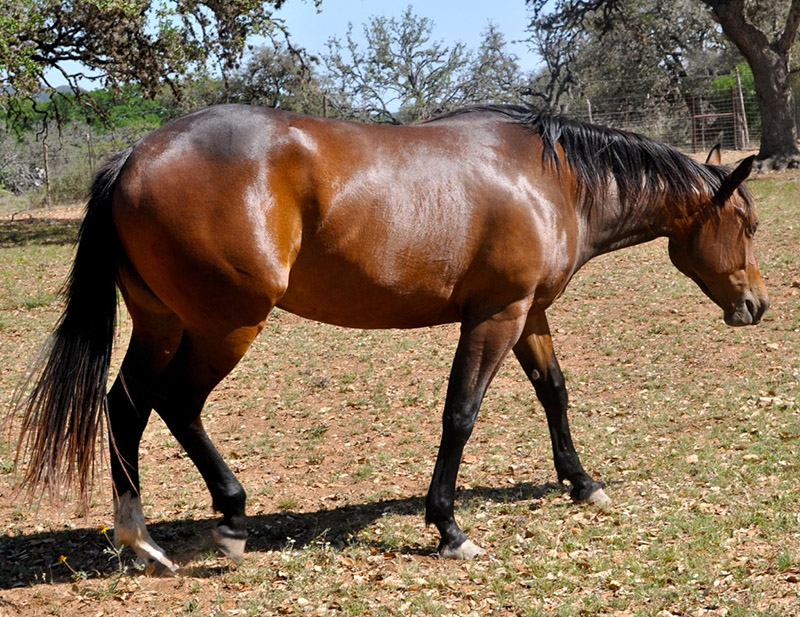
[[715, 156], [732, 181]]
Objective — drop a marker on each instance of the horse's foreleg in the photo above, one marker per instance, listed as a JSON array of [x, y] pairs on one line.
[[536, 355], [480, 352]]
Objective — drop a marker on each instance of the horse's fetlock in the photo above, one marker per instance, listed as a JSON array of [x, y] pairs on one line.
[[230, 499], [233, 528], [238, 496], [582, 492]]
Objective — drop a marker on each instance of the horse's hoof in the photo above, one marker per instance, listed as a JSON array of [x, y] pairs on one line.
[[130, 530], [598, 498], [466, 550], [155, 561], [157, 567], [232, 548]]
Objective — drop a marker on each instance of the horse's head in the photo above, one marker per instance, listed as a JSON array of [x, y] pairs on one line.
[[715, 249]]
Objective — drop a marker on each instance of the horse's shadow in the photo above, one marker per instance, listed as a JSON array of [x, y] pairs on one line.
[[39, 558]]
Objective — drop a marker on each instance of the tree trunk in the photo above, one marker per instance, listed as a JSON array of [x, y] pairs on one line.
[[778, 125], [769, 61]]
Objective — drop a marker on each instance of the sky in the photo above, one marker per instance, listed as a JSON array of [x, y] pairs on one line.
[[454, 21]]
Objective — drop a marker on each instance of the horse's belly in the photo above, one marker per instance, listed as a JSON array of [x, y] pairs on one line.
[[349, 299]]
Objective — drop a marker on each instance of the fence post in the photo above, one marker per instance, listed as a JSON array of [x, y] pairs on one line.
[[47, 174], [743, 124], [734, 104], [90, 145]]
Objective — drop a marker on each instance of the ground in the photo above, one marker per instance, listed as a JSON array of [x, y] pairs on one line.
[[693, 426]]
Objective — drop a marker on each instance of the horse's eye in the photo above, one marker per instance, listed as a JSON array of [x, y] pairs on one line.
[[754, 228]]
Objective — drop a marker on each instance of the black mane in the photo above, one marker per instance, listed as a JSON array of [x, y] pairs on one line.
[[642, 169]]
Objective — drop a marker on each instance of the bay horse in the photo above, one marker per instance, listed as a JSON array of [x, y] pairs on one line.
[[481, 216]]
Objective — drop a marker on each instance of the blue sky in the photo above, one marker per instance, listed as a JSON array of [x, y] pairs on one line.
[[454, 20]]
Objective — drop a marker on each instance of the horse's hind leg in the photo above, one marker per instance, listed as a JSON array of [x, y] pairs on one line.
[[200, 363], [538, 359], [155, 338]]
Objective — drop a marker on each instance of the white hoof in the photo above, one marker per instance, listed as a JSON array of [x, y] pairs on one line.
[[232, 548], [155, 559], [155, 566], [598, 498], [467, 550], [130, 530]]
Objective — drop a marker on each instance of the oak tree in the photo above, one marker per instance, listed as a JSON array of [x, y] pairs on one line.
[[110, 43], [400, 74], [764, 33], [768, 54]]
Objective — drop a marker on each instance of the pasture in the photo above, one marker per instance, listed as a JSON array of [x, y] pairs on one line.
[[693, 426]]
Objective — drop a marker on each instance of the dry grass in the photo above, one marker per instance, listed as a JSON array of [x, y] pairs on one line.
[[694, 426]]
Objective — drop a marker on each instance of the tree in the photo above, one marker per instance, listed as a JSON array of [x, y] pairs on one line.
[[401, 75], [493, 74], [751, 26], [192, 91], [117, 42], [768, 54], [277, 77], [633, 72], [558, 48]]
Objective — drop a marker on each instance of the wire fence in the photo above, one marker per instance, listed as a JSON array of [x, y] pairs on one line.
[[40, 170], [691, 124]]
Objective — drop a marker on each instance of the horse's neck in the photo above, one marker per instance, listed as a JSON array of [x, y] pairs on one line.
[[614, 225]]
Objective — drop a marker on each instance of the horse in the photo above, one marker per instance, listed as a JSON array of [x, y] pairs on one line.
[[480, 216]]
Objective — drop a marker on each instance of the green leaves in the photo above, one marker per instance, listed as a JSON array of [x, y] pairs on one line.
[[112, 43]]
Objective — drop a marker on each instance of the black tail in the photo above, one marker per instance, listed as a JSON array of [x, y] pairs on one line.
[[63, 414]]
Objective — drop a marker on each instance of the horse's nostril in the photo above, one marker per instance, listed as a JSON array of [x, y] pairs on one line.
[[751, 307], [762, 307]]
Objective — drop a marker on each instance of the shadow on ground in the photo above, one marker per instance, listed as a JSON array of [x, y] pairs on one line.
[[38, 231], [34, 559]]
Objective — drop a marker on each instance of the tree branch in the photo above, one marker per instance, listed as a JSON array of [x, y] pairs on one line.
[[790, 29]]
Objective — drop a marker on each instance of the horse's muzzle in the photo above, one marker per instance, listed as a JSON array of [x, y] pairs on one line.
[[748, 311]]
